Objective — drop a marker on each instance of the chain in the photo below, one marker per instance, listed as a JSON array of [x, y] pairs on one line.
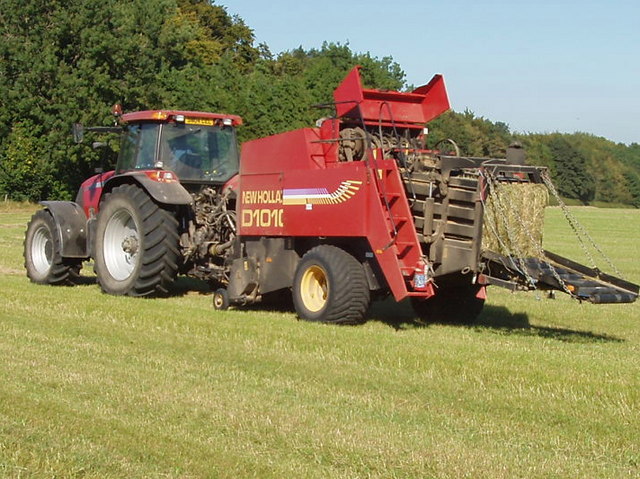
[[490, 216], [519, 256], [577, 228], [540, 251]]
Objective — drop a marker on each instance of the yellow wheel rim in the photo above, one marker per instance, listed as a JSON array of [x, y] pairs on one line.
[[218, 300], [314, 288]]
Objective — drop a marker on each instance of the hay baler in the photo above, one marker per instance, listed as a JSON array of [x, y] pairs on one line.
[[358, 207]]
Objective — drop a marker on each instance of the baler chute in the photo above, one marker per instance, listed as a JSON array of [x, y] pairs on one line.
[[418, 107]]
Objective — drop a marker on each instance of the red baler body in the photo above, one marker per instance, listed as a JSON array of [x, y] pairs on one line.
[[292, 184]]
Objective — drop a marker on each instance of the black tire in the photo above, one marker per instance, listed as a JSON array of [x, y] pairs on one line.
[[136, 244], [42, 253], [450, 305], [330, 286], [221, 299]]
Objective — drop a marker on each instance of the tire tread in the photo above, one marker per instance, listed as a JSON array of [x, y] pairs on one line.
[[159, 245], [64, 271], [349, 296]]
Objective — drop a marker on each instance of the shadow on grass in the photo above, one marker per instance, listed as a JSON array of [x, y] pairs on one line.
[[494, 319], [182, 286], [84, 280], [500, 320], [280, 301], [185, 285], [400, 316]]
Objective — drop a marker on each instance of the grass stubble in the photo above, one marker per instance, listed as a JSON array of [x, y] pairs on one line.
[[107, 387]]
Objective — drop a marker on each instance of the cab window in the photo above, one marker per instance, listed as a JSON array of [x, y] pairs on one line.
[[199, 153], [138, 149]]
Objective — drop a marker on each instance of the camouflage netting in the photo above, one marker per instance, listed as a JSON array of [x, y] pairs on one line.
[[514, 219]]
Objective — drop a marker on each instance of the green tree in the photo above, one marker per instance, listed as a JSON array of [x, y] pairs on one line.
[[223, 32], [633, 185], [26, 172], [62, 62], [572, 177], [475, 136], [280, 94]]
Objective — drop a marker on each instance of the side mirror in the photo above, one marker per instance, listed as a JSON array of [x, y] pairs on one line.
[[78, 132]]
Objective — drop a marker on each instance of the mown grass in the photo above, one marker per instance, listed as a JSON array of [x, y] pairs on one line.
[[105, 387]]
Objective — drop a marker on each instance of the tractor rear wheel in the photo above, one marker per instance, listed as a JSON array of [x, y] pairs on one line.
[[330, 286], [452, 305], [136, 250], [42, 253]]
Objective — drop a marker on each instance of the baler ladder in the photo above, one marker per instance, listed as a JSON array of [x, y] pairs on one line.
[[404, 242]]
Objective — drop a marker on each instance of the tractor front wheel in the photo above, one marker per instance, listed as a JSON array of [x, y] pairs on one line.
[[452, 305], [330, 286], [42, 256], [136, 244]]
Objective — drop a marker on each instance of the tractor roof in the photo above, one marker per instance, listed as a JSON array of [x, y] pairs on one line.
[[177, 115]]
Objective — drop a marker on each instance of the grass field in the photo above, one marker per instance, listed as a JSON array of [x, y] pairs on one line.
[[96, 386]]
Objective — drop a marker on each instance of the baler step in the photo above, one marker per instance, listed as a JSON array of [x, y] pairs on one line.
[[403, 249]]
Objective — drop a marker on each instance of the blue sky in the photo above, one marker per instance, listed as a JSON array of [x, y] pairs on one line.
[[539, 66]]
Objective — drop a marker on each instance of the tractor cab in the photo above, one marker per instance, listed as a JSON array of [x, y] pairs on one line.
[[200, 148]]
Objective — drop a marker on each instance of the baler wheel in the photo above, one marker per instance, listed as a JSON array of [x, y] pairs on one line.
[[221, 299], [136, 244], [330, 286], [42, 257], [450, 305]]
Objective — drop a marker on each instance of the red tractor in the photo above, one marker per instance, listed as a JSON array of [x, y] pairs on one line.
[[336, 215], [168, 208]]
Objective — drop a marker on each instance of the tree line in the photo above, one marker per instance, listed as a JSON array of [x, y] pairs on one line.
[[69, 61], [584, 167]]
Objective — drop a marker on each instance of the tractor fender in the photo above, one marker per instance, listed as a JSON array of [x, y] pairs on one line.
[[164, 192], [72, 227]]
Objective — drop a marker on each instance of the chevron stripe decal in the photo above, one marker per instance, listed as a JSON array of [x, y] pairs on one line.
[[321, 196]]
